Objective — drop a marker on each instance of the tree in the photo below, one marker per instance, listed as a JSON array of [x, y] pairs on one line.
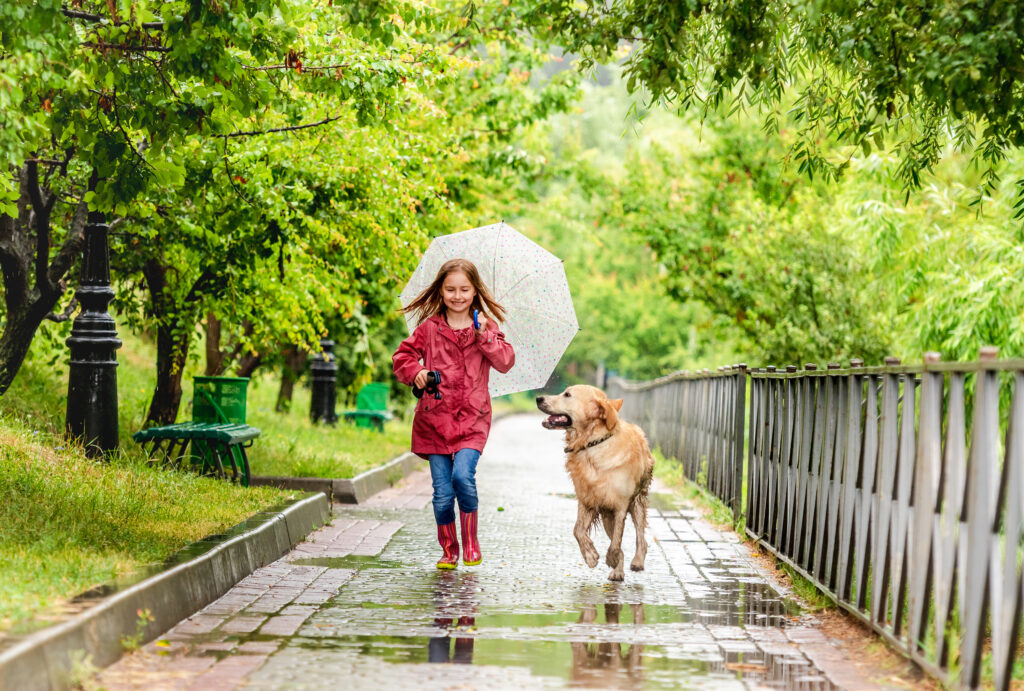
[[282, 231], [110, 99], [928, 77]]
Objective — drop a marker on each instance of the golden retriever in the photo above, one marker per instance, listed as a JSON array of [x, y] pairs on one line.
[[610, 465]]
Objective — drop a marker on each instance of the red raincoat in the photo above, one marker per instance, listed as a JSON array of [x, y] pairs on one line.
[[462, 418]]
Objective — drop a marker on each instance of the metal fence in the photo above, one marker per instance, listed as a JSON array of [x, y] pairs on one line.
[[870, 482], [696, 417]]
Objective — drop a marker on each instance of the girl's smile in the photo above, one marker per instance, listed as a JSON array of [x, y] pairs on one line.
[[458, 294]]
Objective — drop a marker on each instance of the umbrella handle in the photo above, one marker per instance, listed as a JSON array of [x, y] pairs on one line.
[[476, 319]]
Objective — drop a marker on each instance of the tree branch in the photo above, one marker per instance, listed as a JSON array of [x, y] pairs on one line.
[[41, 209], [95, 18], [65, 315], [293, 128], [73, 243], [205, 279], [126, 48]]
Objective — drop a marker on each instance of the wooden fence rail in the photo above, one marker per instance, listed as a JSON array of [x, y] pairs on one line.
[[871, 484]]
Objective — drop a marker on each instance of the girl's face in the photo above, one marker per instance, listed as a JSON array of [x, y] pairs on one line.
[[457, 292]]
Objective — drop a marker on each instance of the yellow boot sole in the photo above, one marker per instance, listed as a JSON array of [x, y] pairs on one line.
[[447, 566]]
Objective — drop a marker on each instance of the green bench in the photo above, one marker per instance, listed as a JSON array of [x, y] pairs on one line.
[[214, 442], [371, 407]]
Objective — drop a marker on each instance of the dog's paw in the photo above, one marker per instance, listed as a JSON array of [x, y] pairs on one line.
[[616, 575], [591, 558], [613, 558], [636, 567]]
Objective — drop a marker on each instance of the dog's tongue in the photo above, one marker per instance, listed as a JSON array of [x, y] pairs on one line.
[[558, 420]]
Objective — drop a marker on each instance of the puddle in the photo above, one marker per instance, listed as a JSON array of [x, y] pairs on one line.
[[351, 562], [582, 661]]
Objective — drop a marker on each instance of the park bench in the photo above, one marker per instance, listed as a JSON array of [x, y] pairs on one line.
[[215, 440], [371, 407]]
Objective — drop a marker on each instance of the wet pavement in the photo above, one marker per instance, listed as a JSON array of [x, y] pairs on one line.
[[360, 604]]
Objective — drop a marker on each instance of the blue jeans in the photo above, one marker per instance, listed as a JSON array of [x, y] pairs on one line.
[[454, 476]]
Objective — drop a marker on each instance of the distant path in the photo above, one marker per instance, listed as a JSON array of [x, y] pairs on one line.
[[361, 605]]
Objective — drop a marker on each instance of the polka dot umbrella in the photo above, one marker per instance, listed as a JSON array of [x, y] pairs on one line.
[[525, 279]]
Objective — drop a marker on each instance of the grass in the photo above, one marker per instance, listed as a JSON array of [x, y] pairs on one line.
[[292, 445], [289, 443], [670, 472], [68, 523]]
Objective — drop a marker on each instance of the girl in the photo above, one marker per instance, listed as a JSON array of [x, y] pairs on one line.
[[451, 431]]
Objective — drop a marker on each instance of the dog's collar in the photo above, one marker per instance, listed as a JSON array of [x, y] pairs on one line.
[[569, 449]]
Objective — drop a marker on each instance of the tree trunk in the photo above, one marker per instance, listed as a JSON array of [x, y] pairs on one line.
[[32, 283], [248, 364], [171, 353], [19, 330], [214, 357], [294, 359], [171, 350]]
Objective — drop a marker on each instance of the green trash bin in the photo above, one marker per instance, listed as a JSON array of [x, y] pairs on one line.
[[373, 396], [219, 399]]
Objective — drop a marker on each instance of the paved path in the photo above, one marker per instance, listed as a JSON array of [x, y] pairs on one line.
[[360, 604]]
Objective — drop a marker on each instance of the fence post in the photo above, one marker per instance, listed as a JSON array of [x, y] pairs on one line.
[[740, 379]]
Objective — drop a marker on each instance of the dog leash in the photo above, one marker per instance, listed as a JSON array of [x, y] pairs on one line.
[[569, 449]]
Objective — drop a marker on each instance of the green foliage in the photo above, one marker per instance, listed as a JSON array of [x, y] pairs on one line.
[[928, 77], [771, 265], [276, 166], [627, 320], [757, 246]]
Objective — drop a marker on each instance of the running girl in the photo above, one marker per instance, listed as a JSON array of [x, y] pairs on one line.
[[450, 427]]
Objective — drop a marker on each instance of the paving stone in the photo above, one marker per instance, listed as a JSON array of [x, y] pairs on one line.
[[229, 673], [701, 615], [243, 624]]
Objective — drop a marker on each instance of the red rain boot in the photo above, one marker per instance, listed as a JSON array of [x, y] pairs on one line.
[[450, 544], [470, 547]]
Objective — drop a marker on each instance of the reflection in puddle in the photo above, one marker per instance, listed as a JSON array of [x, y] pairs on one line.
[[605, 664], [352, 561], [610, 639], [584, 662]]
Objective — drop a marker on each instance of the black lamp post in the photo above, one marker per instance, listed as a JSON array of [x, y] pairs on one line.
[[92, 380], [324, 394]]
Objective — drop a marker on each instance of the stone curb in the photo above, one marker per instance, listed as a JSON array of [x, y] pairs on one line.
[[358, 489], [354, 490], [45, 659]]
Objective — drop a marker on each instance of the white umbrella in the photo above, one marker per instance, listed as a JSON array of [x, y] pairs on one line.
[[525, 279]]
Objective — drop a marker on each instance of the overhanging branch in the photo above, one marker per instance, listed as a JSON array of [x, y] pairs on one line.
[[293, 128], [95, 18]]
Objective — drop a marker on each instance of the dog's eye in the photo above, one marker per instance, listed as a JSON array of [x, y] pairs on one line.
[[566, 394]]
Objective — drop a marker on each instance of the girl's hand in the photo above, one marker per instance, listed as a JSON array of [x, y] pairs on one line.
[[421, 379], [483, 323]]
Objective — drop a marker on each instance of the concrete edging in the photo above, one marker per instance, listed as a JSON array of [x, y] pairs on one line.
[[45, 659], [354, 490]]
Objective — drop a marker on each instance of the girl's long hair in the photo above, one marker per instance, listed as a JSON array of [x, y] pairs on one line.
[[431, 302]]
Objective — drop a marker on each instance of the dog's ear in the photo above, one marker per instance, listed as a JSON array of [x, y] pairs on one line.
[[610, 412]]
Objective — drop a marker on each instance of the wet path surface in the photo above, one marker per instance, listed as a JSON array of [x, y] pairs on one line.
[[361, 605]]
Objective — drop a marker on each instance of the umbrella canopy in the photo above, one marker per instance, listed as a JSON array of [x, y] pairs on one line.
[[525, 279]]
